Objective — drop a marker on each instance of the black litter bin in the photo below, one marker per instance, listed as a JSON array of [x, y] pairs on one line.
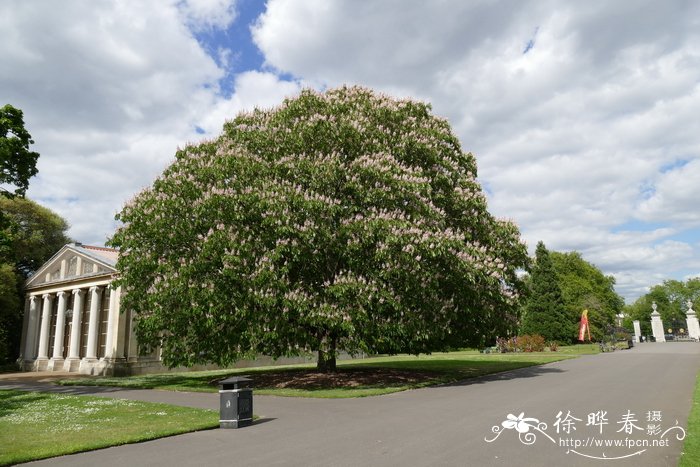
[[236, 399]]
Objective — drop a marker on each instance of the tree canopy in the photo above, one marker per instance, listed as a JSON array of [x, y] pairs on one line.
[[17, 162], [34, 233], [584, 286], [343, 220]]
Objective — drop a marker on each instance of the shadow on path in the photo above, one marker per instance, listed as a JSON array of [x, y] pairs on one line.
[[529, 372], [50, 387]]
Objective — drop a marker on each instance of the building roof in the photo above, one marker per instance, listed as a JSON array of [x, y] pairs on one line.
[[64, 265], [100, 253]]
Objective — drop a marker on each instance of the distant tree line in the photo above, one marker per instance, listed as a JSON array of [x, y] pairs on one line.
[[671, 299], [560, 287]]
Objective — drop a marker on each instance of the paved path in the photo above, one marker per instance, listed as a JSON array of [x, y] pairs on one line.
[[439, 426]]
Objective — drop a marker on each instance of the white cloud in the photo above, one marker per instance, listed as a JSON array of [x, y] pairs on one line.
[[589, 141], [109, 92], [571, 137], [203, 14], [676, 196], [253, 89]]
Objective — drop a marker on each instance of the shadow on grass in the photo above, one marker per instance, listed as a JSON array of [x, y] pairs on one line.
[[392, 376], [10, 402], [70, 390]]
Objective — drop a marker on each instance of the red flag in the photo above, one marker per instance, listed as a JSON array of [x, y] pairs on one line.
[[583, 327]]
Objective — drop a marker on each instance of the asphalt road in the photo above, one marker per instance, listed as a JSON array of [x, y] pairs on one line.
[[639, 395]]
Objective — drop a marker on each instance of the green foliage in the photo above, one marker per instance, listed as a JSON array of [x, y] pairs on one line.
[[584, 286], [545, 312], [34, 234], [11, 312], [17, 166], [671, 299], [10, 319], [339, 220], [17, 162]]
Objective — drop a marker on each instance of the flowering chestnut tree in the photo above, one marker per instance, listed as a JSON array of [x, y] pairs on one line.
[[338, 221]]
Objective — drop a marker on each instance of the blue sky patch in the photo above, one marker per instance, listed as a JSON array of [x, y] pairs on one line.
[[675, 165], [233, 49], [531, 43]]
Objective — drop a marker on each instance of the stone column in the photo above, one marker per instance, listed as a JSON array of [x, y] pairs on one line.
[[25, 332], [112, 322], [30, 340], [75, 331], [45, 327], [93, 326], [692, 320], [133, 342], [57, 359], [657, 326], [121, 333], [637, 330]]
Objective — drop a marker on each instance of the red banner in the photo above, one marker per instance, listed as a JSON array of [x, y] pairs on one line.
[[583, 327]]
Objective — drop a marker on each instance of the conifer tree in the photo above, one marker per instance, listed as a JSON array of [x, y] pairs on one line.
[[545, 313]]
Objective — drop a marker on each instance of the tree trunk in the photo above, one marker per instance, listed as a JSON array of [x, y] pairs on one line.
[[326, 358], [326, 362]]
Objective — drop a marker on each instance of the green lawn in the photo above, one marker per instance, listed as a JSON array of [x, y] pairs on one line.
[[441, 367], [691, 448], [39, 425]]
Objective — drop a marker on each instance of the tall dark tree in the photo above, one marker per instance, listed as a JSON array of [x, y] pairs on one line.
[[343, 220], [17, 166], [545, 312], [17, 162]]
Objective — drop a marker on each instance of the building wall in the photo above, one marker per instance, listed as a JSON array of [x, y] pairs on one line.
[[74, 326]]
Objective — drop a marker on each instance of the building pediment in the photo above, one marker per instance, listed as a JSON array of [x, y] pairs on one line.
[[75, 262]]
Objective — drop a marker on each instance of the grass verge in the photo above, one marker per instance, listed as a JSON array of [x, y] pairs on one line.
[[355, 378], [691, 447], [37, 425]]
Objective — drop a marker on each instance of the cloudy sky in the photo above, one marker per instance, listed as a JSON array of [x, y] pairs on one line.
[[584, 116]]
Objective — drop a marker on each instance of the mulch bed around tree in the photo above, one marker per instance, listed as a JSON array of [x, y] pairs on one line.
[[343, 378]]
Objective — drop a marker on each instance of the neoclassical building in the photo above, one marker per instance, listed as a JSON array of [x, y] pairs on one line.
[[72, 321]]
